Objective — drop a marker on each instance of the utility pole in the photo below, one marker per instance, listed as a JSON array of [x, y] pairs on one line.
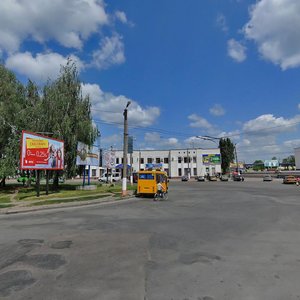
[[236, 159], [125, 150], [188, 160]]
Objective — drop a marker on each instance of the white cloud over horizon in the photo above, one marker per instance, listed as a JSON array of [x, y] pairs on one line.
[[42, 67], [109, 108], [274, 26]]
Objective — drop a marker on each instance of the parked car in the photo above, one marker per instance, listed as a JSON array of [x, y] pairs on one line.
[[60, 180], [110, 177], [238, 177], [212, 178], [224, 177], [184, 178], [267, 178], [200, 178], [290, 179]]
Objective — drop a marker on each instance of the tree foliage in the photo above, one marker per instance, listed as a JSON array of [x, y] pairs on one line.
[[227, 153], [59, 110]]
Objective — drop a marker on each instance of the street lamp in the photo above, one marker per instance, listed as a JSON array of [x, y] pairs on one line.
[[125, 150]]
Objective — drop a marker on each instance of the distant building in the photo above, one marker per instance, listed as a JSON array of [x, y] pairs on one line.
[[297, 158], [176, 162]]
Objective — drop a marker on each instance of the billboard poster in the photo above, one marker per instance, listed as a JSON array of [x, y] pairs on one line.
[[109, 158], [88, 156], [273, 163], [40, 152], [209, 159]]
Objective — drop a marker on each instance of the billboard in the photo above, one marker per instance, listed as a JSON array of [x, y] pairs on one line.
[[109, 158], [40, 152], [209, 159], [87, 156], [273, 163]]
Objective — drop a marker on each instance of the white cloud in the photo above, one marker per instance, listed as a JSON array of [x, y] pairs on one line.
[[217, 110], [236, 50], [155, 139], [199, 122], [274, 25], [111, 52], [268, 125], [221, 22], [292, 143], [109, 108], [68, 22], [121, 16], [41, 67]]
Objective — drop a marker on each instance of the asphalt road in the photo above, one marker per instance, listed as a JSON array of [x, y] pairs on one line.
[[209, 241]]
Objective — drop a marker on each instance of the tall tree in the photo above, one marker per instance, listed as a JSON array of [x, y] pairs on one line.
[[227, 153], [67, 114], [12, 96]]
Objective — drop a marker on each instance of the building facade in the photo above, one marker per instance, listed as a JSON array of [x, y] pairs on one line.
[[297, 158], [176, 162]]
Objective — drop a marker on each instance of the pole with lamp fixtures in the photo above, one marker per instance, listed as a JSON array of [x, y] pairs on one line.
[[125, 150], [213, 139]]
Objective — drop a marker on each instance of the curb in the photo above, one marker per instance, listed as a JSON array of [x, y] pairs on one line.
[[104, 201]]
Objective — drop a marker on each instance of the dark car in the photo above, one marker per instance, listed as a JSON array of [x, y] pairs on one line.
[[184, 178], [238, 177]]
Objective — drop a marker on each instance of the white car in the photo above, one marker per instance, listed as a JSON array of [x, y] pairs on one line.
[[110, 177]]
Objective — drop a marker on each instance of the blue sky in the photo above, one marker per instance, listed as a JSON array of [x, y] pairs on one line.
[[225, 68]]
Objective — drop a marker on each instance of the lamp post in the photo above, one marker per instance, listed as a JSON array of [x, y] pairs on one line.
[[212, 139], [125, 149]]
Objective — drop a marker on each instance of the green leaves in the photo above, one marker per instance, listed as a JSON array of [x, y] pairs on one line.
[[227, 153], [59, 109]]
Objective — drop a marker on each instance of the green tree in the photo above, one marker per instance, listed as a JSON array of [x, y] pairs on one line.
[[227, 153], [12, 95], [67, 114], [258, 165]]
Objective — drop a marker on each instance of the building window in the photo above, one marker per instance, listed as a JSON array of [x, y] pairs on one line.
[[117, 160], [94, 172], [179, 172], [157, 160], [166, 160], [194, 159], [149, 160], [179, 159], [142, 160], [185, 159]]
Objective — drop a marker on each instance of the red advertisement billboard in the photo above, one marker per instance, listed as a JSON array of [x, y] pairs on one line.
[[40, 152]]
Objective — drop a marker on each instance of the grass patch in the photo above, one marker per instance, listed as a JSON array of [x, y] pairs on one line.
[[65, 191], [4, 199], [58, 201], [5, 205]]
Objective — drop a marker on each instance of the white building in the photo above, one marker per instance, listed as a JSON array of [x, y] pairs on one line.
[[297, 158], [176, 163]]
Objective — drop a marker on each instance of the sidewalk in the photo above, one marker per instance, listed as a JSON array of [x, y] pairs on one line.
[[30, 206]]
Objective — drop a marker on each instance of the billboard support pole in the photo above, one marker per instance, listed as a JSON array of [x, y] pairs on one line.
[[47, 182], [83, 175], [89, 177], [38, 183]]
